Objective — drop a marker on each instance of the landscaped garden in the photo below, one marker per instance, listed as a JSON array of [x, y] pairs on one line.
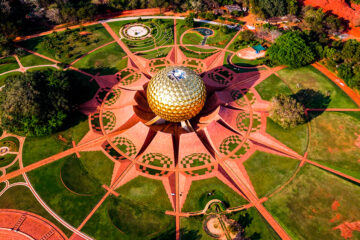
[[94, 163]]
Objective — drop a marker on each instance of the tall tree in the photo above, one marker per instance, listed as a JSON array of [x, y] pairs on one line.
[[291, 49]]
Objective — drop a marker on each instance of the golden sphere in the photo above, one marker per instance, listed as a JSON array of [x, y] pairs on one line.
[[176, 94]]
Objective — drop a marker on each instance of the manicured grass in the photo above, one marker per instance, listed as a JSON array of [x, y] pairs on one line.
[[97, 36], [255, 225], [193, 38], [35, 69], [138, 213], [7, 159], [33, 60], [11, 142], [21, 198], [309, 77], [267, 171], [304, 209], [180, 29], [161, 35], [8, 64], [192, 228], [116, 26], [159, 53], [2, 185], [69, 205], [99, 165], [198, 196], [191, 54], [271, 87], [106, 61], [238, 70], [332, 142], [219, 39], [295, 138], [246, 63], [81, 180], [38, 148], [199, 49]]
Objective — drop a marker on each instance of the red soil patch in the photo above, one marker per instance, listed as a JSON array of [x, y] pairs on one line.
[[335, 205], [340, 8], [61, 138], [84, 33], [337, 217], [357, 142], [347, 228]]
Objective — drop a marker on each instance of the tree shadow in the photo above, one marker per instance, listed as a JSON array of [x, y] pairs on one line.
[[185, 234], [312, 99], [189, 234], [243, 220], [100, 70]]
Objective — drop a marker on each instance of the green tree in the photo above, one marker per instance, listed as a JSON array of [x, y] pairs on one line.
[[35, 103], [291, 49], [287, 111], [189, 21]]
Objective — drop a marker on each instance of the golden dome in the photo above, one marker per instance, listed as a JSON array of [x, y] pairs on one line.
[[176, 94]]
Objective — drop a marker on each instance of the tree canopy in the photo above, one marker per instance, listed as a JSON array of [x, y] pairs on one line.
[[35, 103], [287, 111], [291, 49]]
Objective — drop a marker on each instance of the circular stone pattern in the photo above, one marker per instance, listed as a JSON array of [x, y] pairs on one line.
[[176, 94], [135, 31]]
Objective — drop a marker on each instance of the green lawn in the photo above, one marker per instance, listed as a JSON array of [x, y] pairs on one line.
[[271, 87], [7, 159], [106, 61], [192, 228], [246, 63], [86, 175], [11, 142], [309, 77], [198, 196], [159, 53], [116, 26], [193, 38], [219, 39], [255, 225], [304, 210], [71, 206], [33, 60], [99, 165], [332, 142], [295, 138], [97, 36], [8, 64], [199, 49], [238, 70], [38, 148], [161, 35], [267, 171], [180, 29], [21, 198], [138, 213], [191, 54], [35, 69]]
